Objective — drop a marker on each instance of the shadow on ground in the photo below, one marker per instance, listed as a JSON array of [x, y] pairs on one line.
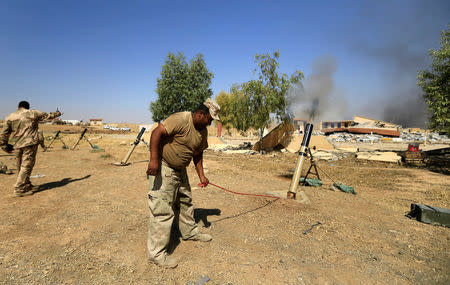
[[56, 184], [246, 212], [199, 215], [202, 215]]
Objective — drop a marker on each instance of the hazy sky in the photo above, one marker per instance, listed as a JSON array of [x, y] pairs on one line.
[[101, 59]]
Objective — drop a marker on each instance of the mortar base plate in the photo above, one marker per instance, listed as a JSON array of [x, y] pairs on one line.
[[121, 164], [300, 196]]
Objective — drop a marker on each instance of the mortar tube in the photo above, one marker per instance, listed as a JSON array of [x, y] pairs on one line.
[[125, 160], [135, 143], [53, 140], [298, 168], [79, 139]]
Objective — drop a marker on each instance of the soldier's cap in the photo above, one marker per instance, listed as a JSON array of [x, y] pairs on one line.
[[213, 107]]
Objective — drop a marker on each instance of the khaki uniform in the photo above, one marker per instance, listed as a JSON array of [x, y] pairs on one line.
[[170, 195], [41, 139], [21, 131]]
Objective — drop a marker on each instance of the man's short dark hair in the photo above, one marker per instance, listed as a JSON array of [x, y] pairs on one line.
[[24, 104], [202, 108]]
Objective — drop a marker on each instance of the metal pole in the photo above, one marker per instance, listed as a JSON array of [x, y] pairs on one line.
[[79, 139], [53, 140], [135, 143], [298, 168], [89, 142]]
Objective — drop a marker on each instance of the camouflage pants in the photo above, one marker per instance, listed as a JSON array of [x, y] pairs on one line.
[[169, 196], [25, 159]]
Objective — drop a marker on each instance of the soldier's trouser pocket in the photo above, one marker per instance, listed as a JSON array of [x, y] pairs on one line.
[[161, 194]]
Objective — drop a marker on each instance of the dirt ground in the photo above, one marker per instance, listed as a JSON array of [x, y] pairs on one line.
[[88, 222]]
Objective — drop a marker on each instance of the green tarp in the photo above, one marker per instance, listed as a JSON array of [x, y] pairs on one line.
[[311, 182], [344, 188]]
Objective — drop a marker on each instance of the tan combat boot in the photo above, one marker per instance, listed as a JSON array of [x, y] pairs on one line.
[[200, 237], [31, 187], [164, 261], [22, 193]]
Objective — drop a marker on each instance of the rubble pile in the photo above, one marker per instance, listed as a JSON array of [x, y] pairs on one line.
[[374, 124], [348, 137], [424, 137], [243, 148], [405, 137]]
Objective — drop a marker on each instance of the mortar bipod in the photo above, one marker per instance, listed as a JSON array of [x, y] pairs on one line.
[[56, 137], [313, 164]]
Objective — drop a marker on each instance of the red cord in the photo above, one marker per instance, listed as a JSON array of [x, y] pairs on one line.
[[238, 193]]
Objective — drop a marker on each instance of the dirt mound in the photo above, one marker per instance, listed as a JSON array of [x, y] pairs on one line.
[[320, 142]]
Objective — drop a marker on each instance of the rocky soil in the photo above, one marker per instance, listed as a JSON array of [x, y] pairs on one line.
[[88, 222]]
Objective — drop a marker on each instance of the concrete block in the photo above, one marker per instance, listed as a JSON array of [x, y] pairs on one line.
[[380, 156], [348, 149]]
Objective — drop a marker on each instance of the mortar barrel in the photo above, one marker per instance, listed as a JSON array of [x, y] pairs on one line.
[[125, 160], [53, 140], [300, 161], [79, 139]]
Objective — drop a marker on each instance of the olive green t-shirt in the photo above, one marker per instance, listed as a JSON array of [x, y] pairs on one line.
[[183, 140]]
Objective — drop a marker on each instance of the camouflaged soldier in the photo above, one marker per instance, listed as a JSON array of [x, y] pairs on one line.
[[174, 143], [22, 126]]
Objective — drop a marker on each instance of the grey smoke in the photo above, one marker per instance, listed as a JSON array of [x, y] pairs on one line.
[[402, 101], [407, 33], [391, 41], [317, 99], [314, 108]]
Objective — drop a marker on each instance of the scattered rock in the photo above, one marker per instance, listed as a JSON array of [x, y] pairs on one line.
[[244, 148], [38, 176], [202, 281]]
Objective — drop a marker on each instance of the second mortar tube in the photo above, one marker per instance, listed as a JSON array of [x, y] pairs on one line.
[[302, 155], [135, 143]]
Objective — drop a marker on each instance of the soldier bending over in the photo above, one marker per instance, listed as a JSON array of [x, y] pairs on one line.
[[177, 140]]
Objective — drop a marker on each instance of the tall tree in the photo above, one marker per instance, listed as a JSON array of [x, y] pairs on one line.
[[225, 101], [182, 86], [275, 84], [436, 86], [242, 115], [262, 97]]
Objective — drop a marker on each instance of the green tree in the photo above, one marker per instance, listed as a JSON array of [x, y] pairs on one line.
[[241, 117], [225, 101], [256, 99], [275, 84], [262, 97], [181, 87], [436, 87]]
